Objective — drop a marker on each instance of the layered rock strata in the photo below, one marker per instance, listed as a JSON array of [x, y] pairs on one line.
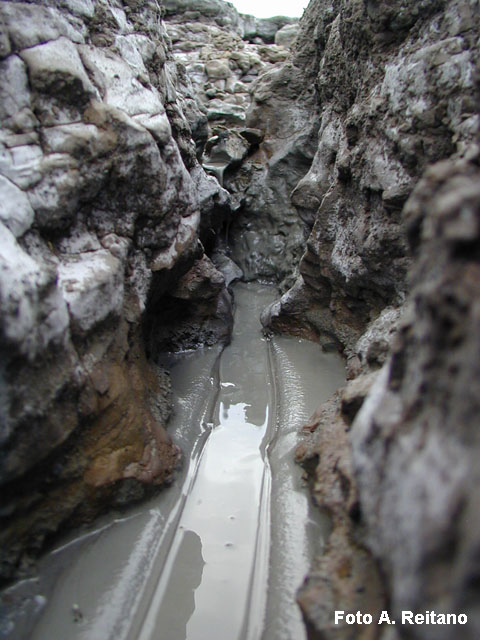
[[101, 198]]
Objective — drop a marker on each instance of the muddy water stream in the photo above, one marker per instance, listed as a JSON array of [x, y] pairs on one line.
[[219, 554]]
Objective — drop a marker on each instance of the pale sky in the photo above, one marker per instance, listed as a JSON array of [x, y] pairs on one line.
[[269, 8]]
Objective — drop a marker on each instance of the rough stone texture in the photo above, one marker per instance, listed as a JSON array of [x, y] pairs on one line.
[[106, 113], [373, 347], [397, 86], [344, 576], [224, 15], [416, 439], [402, 438], [209, 40], [101, 204], [396, 83], [233, 65], [267, 235], [287, 36], [196, 311]]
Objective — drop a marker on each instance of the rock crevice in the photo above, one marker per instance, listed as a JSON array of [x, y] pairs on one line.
[[338, 157]]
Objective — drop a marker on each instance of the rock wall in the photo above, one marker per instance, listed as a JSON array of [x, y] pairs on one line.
[[267, 235], [232, 61], [416, 439], [222, 14], [392, 458], [110, 230], [389, 275], [101, 200], [344, 575], [396, 86]]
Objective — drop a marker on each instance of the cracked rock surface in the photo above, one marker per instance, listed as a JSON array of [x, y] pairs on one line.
[[101, 199], [232, 60], [396, 85], [347, 144], [388, 275], [415, 440]]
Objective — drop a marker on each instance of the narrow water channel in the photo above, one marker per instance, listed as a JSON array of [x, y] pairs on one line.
[[221, 553], [213, 563]]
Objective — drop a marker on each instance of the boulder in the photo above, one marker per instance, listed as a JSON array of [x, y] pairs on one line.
[[217, 69], [263, 30], [286, 36]]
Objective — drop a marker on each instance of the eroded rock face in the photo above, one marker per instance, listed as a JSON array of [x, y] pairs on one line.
[[195, 311], [415, 441], [102, 204], [344, 577], [267, 234], [101, 199], [404, 434], [233, 62], [224, 15], [396, 86], [210, 39]]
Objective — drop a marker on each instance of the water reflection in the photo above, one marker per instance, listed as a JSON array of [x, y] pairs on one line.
[[178, 602], [243, 413], [206, 591], [223, 505]]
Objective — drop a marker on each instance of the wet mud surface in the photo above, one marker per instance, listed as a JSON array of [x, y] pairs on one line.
[[227, 546]]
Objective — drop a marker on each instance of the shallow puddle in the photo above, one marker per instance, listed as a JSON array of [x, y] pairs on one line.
[[221, 515], [221, 553]]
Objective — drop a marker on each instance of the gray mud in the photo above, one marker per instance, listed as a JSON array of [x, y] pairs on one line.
[[221, 553]]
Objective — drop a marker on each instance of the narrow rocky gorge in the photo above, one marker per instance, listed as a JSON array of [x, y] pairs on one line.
[[151, 153], [199, 555]]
